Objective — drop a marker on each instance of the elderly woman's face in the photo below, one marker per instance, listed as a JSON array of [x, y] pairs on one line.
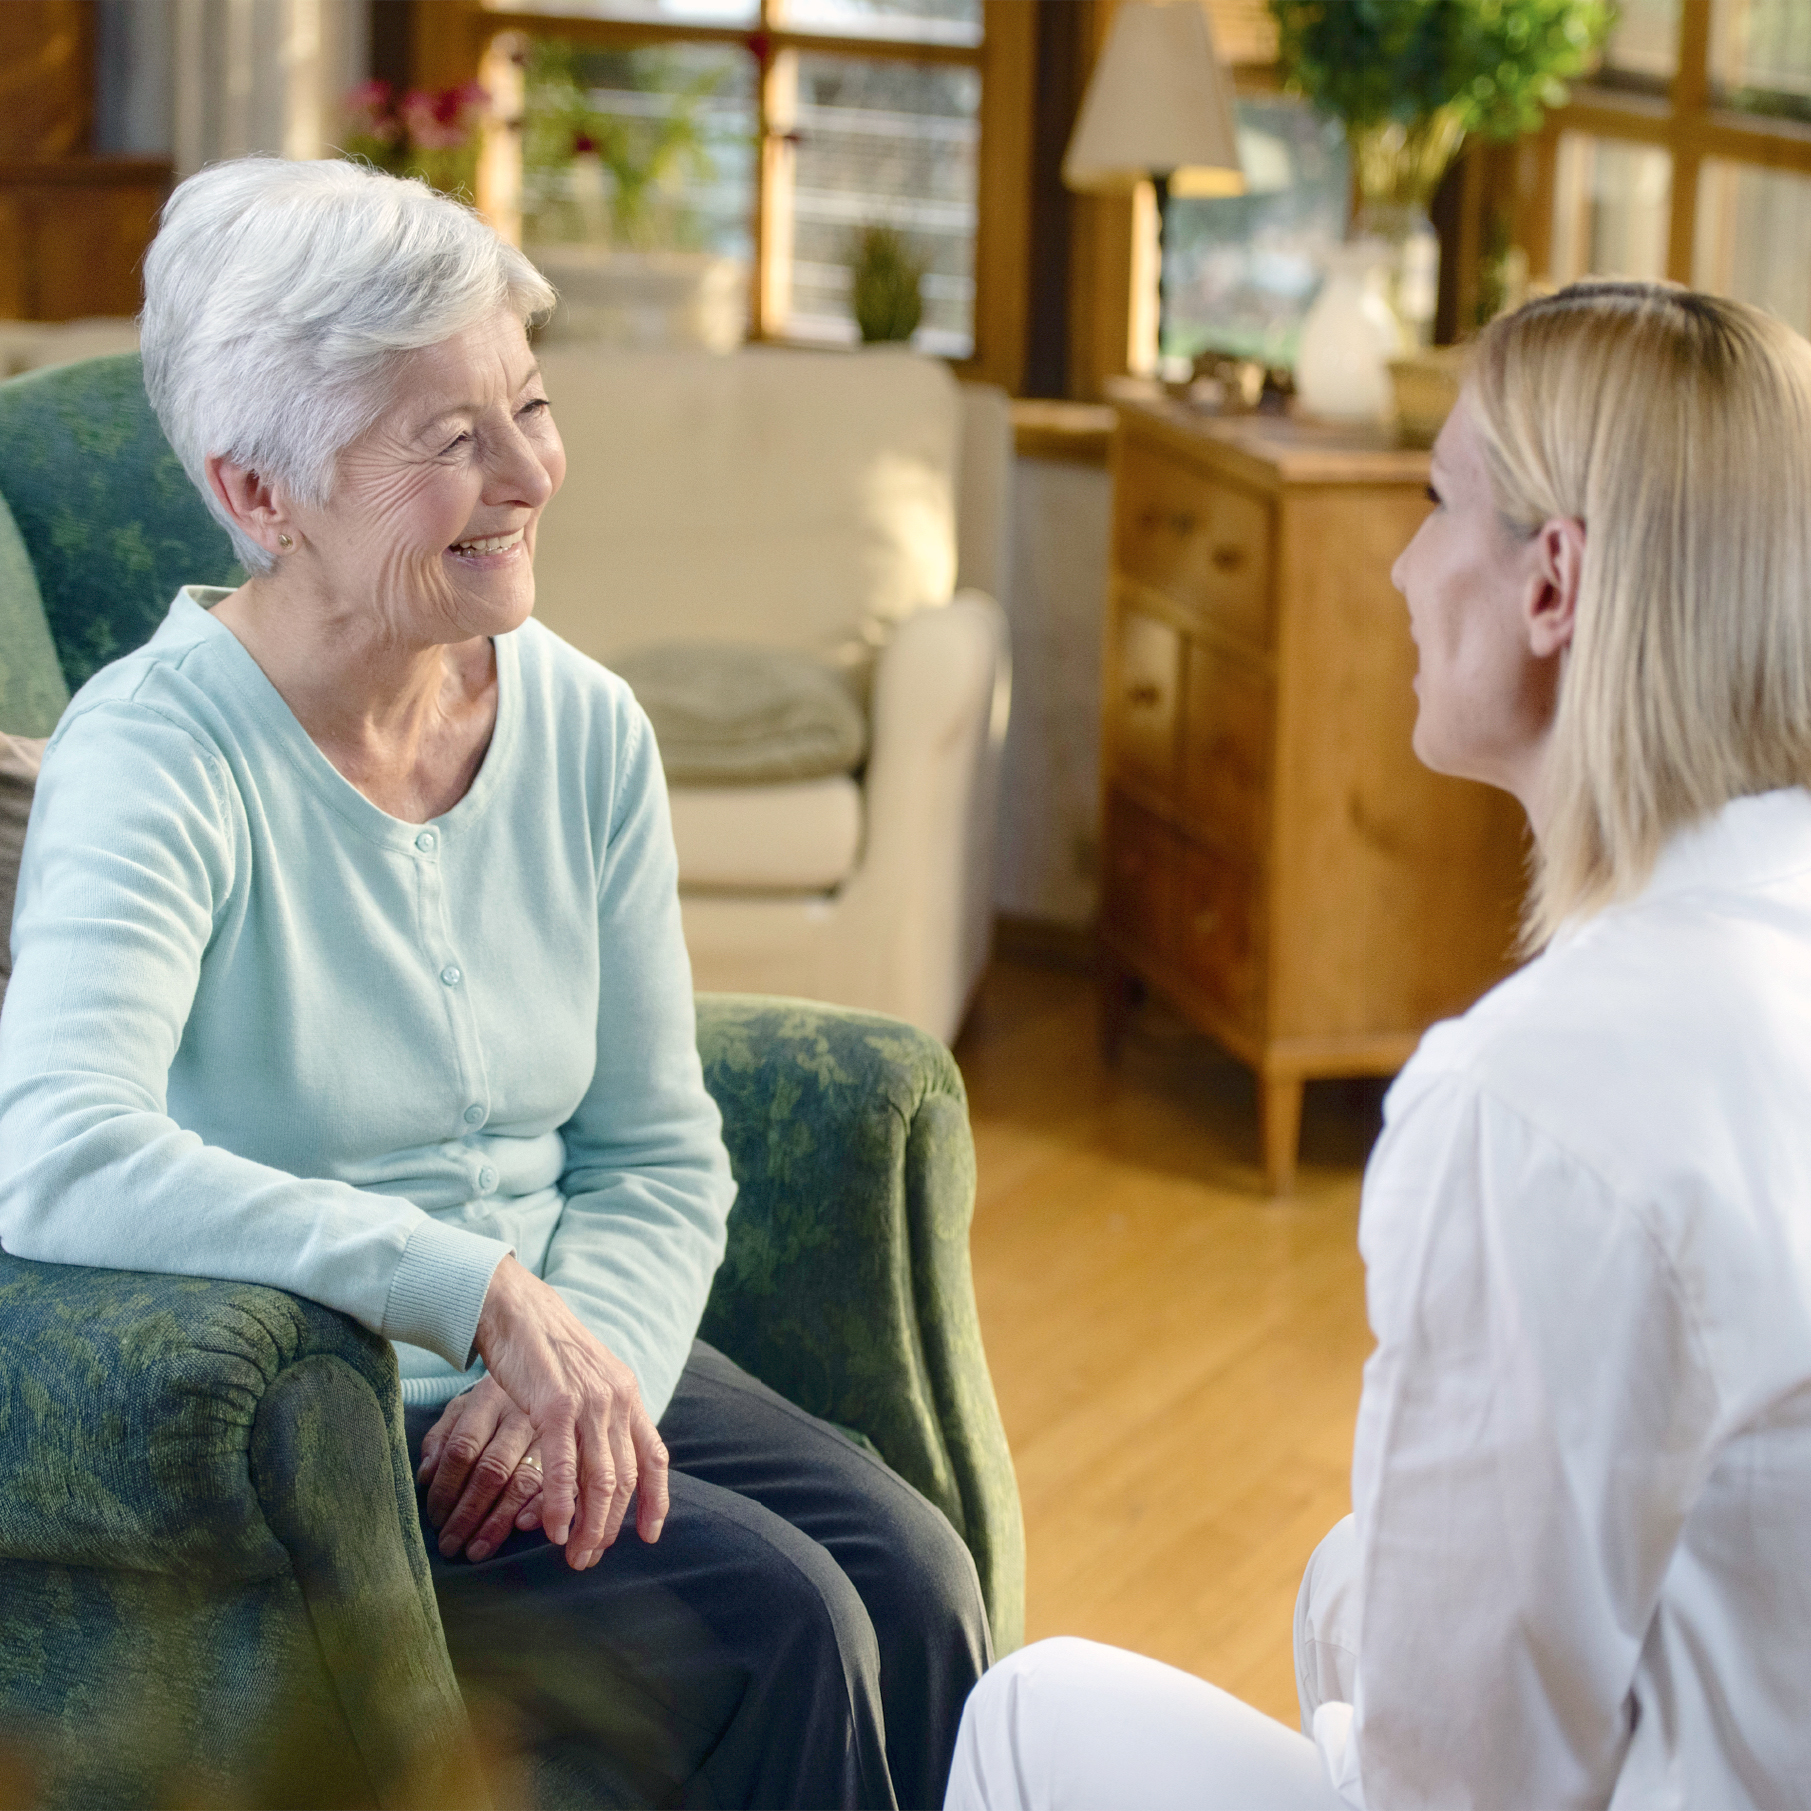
[[434, 509], [1486, 698]]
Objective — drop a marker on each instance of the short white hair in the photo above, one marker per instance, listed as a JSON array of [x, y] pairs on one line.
[[277, 297]]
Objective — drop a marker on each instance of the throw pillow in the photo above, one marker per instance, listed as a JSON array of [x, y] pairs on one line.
[[20, 758], [739, 716]]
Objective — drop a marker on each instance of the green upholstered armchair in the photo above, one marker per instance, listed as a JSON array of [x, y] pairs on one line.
[[212, 1584]]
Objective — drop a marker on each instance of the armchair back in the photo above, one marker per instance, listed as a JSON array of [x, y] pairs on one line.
[[791, 499]]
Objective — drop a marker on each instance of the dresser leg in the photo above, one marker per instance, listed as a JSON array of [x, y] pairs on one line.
[[1119, 993], [1279, 1129]]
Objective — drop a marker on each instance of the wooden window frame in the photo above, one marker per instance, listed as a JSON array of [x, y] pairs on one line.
[[455, 40], [1685, 122]]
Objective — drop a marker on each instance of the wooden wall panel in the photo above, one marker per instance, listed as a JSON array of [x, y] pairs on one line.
[[46, 77], [73, 234]]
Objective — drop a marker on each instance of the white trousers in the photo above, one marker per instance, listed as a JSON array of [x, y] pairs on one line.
[[1070, 1725]]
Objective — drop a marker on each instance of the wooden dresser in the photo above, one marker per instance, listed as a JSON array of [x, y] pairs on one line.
[[1275, 862]]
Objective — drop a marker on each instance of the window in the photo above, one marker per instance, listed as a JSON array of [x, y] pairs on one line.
[[1688, 156], [1241, 271], [767, 132]]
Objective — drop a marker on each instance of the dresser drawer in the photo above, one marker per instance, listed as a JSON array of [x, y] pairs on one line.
[[1226, 743], [1205, 546], [1141, 880], [1216, 929], [1144, 698]]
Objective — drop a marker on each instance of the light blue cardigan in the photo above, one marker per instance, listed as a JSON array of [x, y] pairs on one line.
[[259, 1029]]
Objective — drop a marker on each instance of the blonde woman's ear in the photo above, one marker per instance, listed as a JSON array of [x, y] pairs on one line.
[[1559, 555]]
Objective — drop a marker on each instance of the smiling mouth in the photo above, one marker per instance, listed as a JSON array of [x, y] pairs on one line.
[[496, 543]]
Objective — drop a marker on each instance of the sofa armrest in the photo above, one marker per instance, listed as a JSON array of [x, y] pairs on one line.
[[222, 1443], [846, 1284], [942, 694]]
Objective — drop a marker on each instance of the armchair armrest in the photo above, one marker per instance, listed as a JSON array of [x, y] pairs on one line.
[[207, 1522], [846, 1285]]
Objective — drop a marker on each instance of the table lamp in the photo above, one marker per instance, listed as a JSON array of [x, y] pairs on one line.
[[1158, 109]]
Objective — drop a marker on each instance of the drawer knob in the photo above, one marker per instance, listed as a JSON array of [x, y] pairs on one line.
[[1143, 695], [1228, 559]]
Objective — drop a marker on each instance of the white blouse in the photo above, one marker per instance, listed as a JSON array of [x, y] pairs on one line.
[[1582, 1472]]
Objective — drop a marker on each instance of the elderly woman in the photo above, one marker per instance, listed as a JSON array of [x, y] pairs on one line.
[[348, 960], [1578, 1571]]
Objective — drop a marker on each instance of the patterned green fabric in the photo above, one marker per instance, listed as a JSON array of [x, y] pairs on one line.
[[32, 692], [846, 1286], [212, 1586], [107, 513]]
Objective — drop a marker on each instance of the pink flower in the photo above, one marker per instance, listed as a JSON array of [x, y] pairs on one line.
[[442, 121], [371, 112]]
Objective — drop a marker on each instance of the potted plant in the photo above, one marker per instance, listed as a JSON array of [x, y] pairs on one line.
[[605, 207], [1410, 80], [416, 133], [885, 285]]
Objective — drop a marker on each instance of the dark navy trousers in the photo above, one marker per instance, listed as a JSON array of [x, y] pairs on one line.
[[804, 1633]]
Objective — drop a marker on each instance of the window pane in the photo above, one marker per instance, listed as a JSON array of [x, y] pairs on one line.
[[1760, 56], [885, 144], [917, 21], [1644, 43], [1612, 204], [1239, 273], [1754, 238], [662, 12], [664, 138]]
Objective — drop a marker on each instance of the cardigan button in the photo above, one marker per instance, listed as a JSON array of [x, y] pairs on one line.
[[487, 1179], [425, 842], [451, 975], [474, 1114]]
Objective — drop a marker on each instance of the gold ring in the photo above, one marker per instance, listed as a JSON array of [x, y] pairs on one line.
[[530, 1459]]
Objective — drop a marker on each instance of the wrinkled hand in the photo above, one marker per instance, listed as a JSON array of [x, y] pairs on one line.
[[586, 1420], [472, 1462]]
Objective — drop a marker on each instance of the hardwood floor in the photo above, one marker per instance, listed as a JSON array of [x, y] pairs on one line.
[[1177, 1358]]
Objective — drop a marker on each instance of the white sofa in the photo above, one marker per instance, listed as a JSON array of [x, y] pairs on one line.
[[850, 505]]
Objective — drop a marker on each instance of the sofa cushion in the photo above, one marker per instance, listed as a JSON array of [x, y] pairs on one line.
[[791, 499], [803, 838], [729, 716], [32, 691], [20, 758]]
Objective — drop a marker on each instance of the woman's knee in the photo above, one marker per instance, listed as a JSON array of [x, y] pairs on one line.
[[1034, 1692], [1326, 1623]]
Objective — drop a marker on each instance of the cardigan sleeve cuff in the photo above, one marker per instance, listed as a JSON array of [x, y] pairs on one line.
[[438, 1290]]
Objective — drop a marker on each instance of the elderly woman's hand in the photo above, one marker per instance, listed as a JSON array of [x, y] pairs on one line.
[[482, 1472], [555, 1388]]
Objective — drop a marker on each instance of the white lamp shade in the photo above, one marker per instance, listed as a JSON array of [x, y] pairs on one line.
[[1158, 104]]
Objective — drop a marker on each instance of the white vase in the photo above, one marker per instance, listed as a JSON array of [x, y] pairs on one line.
[[1342, 366], [648, 299]]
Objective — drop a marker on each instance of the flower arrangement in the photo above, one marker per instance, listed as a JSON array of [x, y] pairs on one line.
[[417, 133], [597, 176]]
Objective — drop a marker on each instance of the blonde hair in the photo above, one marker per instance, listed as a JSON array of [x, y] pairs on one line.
[[1677, 427]]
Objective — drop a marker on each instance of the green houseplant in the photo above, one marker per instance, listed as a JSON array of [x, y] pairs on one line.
[[885, 279], [640, 163], [1410, 80]]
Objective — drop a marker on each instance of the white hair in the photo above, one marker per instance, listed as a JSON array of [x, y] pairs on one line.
[[277, 297]]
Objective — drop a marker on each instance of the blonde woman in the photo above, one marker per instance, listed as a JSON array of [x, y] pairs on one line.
[[1578, 1570]]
